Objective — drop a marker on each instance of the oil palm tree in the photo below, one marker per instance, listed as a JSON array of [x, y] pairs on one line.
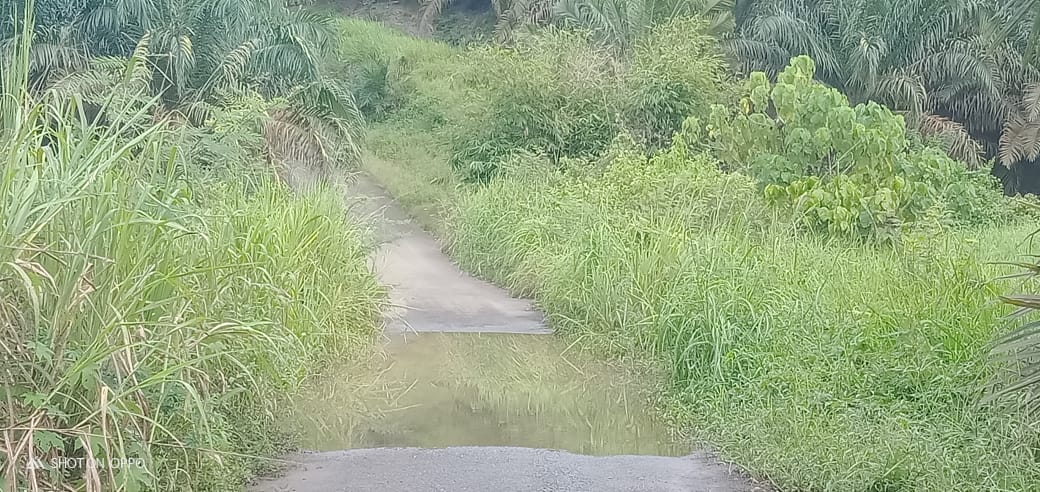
[[615, 23], [1027, 14], [201, 52], [621, 23]]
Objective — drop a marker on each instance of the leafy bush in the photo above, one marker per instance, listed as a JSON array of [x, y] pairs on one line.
[[230, 142], [672, 75], [559, 95], [850, 170]]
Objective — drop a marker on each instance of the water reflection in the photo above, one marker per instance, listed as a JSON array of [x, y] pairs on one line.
[[437, 390]]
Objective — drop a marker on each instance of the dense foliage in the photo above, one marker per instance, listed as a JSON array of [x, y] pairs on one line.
[[803, 255], [818, 363], [841, 168], [963, 71], [558, 95], [956, 69], [615, 24]]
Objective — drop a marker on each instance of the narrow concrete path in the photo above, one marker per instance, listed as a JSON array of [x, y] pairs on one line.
[[429, 293]]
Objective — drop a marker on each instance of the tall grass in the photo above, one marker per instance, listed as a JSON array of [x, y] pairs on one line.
[[819, 363], [149, 324]]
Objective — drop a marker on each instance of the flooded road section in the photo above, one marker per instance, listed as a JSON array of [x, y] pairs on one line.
[[436, 390], [473, 393]]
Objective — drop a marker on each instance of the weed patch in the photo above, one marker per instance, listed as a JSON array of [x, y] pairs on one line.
[[821, 363]]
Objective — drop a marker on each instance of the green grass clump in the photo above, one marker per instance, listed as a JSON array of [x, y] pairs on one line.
[[820, 363], [149, 314]]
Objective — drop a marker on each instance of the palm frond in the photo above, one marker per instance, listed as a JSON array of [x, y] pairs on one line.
[[1031, 101], [1027, 13], [89, 84], [795, 34], [230, 70], [751, 55], [138, 71], [429, 11], [958, 142], [900, 90], [1019, 142]]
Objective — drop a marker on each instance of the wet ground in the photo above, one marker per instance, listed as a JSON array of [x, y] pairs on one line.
[[471, 392], [461, 389]]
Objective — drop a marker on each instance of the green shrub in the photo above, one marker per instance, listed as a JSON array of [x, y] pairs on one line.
[[552, 95], [675, 72], [228, 144], [850, 170], [560, 95]]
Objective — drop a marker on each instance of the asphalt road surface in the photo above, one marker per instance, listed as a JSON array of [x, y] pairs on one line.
[[502, 469]]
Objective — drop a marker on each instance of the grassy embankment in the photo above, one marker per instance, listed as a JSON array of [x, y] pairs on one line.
[[820, 361], [156, 311]]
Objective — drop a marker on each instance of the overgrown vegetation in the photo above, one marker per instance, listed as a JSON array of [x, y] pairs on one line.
[[818, 363], [961, 71], [957, 70], [557, 95], [817, 277], [812, 264], [616, 24], [156, 310]]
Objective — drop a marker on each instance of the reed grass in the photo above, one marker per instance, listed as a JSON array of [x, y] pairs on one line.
[[148, 321]]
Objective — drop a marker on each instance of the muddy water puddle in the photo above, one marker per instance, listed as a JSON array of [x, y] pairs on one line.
[[439, 390]]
